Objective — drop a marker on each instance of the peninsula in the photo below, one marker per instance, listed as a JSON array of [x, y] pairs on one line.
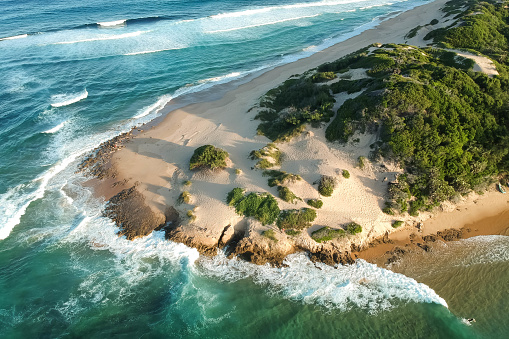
[[390, 138]]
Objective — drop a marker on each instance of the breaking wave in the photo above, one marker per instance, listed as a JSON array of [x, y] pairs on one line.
[[61, 100]]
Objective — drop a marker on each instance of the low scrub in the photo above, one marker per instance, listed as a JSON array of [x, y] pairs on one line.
[[208, 156], [263, 207], [316, 203], [286, 195], [184, 198], [269, 156], [346, 174], [270, 234], [326, 233], [296, 219], [326, 185], [397, 223], [353, 228], [281, 177]]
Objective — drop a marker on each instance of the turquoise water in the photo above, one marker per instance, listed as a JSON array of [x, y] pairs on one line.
[[69, 83]]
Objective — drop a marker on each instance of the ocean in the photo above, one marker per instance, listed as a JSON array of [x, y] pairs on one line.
[[77, 73]]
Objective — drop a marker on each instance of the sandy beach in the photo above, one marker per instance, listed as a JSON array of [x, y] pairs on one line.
[[156, 162]]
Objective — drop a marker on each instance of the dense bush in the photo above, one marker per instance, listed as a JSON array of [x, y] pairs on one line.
[[315, 203], [291, 105], [323, 76], [262, 207], [397, 223], [296, 219], [208, 156], [280, 177], [270, 151], [326, 233], [326, 185], [346, 174], [286, 195], [353, 228]]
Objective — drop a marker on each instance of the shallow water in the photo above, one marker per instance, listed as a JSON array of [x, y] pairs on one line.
[[69, 83]]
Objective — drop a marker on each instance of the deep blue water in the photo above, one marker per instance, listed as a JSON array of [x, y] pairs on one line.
[[68, 83]]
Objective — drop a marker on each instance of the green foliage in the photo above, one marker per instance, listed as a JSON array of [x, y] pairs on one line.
[[433, 22], [191, 216], [413, 32], [326, 233], [326, 185], [361, 162], [292, 233], [238, 171], [316, 203], [397, 223], [286, 195], [388, 210], [296, 219], [323, 76], [292, 105], [280, 177], [208, 156], [262, 207], [446, 125], [270, 234], [270, 151], [187, 183], [346, 174], [353, 228], [184, 198]]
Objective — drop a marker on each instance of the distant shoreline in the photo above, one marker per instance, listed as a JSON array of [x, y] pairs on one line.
[[153, 163]]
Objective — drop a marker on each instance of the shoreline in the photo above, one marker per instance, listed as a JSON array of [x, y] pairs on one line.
[[154, 162]]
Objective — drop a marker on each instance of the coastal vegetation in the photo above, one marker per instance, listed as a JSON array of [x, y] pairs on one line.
[[397, 223], [208, 156], [346, 174], [316, 203], [326, 233], [296, 219], [263, 207], [326, 185], [280, 177], [353, 228], [270, 234], [293, 104], [269, 156], [286, 195], [184, 198]]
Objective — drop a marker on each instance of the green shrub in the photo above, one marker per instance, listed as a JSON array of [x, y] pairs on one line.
[[361, 162], [286, 195], [191, 216], [187, 183], [353, 228], [433, 22], [326, 185], [264, 164], [388, 210], [270, 234], [326, 233], [184, 198], [346, 174], [413, 32], [316, 203], [296, 219], [262, 207], [397, 223], [292, 233], [238, 171], [208, 156], [280, 177], [323, 76]]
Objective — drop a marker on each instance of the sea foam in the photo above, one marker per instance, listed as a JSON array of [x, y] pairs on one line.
[[21, 36], [102, 37], [60, 100], [56, 128], [361, 285], [112, 23]]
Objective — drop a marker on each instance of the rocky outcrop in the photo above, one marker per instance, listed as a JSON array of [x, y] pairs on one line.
[[261, 251], [205, 245], [133, 217], [97, 163], [331, 256]]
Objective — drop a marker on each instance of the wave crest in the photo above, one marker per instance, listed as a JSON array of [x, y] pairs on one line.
[[68, 99]]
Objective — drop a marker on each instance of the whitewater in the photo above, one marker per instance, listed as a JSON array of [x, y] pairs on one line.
[[76, 75]]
